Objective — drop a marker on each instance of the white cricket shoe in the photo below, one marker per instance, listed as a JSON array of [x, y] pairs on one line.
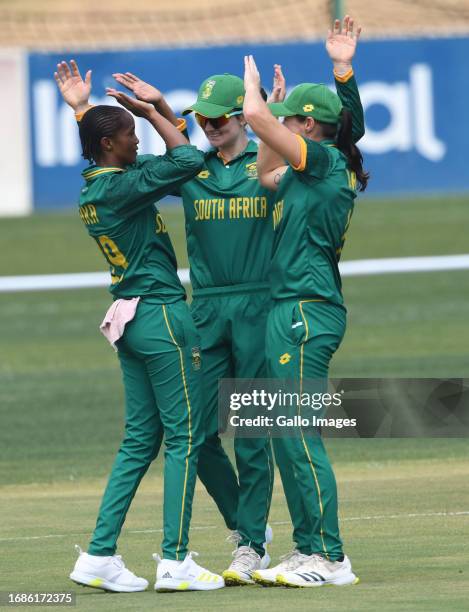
[[235, 538], [289, 562], [107, 573], [245, 562], [317, 571], [184, 575]]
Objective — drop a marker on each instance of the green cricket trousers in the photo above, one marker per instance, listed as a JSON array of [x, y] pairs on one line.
[[159, 355], [302, 336], [231, 322]]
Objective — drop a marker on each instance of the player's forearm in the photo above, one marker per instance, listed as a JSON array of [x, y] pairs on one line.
[[171, 135], [267, 159], [257, 114], [163, 108], [347, 90]]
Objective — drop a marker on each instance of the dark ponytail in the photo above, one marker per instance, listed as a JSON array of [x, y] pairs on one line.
[[345, 144], [99, 122]]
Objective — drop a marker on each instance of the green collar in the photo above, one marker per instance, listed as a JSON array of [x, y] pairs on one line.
[[251, 147], [93, 171]]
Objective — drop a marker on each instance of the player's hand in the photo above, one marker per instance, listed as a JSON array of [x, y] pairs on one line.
[[75, 91], [136, 107], [279, 87], [252, 79], [342, 42], [142, 91]]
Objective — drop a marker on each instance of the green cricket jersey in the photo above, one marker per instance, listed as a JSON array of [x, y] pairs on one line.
[[229, 214], [313, 208], [228, 222], [311, 216], [117, 207]]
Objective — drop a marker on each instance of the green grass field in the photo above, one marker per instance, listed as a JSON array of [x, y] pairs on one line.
[[404, 503]]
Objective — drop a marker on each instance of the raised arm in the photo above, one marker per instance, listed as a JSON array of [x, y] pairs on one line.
[[341, 45], [167, 130], [75, 91], [278, 145], [148, 93]]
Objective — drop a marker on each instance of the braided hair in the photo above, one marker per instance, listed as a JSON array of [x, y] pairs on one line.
[[103, 121]]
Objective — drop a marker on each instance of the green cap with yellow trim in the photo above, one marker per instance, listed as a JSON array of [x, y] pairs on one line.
[[310, 100], [218, 95]]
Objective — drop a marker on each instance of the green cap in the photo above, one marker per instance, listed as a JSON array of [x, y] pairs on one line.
[[219, 94], [310, 100]]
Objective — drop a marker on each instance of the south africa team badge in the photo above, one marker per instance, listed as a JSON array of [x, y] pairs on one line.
[[196, 359]]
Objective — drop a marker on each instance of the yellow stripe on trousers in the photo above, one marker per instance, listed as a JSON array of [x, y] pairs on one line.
[[190, 429], [310, 460]]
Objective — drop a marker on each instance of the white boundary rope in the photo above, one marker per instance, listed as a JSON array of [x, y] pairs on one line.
[[359, 267]]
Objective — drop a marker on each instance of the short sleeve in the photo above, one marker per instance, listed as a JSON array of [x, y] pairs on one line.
[[315, 160]]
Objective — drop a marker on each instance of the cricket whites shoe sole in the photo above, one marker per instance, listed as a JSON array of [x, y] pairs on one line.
[[184, 576], [106, 573]]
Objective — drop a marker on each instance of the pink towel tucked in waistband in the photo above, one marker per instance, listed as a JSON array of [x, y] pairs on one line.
[[117, 317]]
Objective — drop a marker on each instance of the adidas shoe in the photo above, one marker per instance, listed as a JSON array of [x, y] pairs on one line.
[[107, 573], [245, 562], [317, 571], [288, 563], [184, 575], [235, 538]]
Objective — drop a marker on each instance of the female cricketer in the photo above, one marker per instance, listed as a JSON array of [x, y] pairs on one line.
[[314, 166], [151, 326], [229, 239]]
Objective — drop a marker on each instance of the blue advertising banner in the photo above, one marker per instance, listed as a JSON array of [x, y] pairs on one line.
[[413, 90]]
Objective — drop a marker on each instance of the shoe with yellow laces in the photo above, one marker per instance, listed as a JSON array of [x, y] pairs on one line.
[[184, 575]]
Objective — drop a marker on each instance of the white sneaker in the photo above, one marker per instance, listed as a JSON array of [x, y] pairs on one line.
[[184, 575], [289, 562], [235, 538], [317, 571], [245, 562], [107, 573]]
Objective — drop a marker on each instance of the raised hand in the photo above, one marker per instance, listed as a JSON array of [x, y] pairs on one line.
[[342, 41], [143, 91], [75, 91], [252, 79], [136, 107], [279, 88]]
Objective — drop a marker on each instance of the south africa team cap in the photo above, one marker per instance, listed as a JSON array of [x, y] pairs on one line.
[[310, 100], [218, 95]]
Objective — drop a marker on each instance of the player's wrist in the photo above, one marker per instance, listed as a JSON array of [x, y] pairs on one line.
[[342, 69], [81, 109]]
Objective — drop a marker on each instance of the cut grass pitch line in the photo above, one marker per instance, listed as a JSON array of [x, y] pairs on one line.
[[273, 523]]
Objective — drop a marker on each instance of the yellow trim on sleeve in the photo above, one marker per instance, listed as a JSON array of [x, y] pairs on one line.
[[79, 116], [343, 78], [182, 124], [303, 152]]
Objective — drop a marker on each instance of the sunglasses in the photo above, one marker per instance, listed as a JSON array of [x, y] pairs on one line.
[[216, 122]]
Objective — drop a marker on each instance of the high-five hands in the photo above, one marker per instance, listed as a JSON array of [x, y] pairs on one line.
[[342, 42], [136, 107], [75, 91], [279, 87], [252, 79], [143, 91]]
